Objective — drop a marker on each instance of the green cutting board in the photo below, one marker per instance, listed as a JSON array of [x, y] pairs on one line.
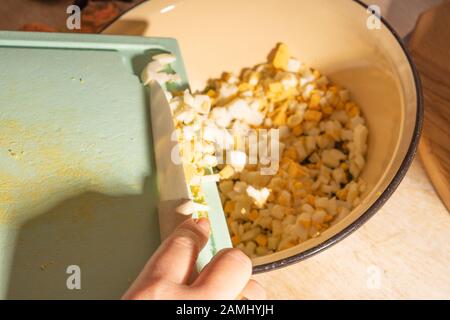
[[77, 176]]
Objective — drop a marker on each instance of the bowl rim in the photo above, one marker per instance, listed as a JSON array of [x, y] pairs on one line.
[[385, 195]]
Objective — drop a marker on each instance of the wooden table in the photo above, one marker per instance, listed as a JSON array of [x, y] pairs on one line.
[[403, 252]]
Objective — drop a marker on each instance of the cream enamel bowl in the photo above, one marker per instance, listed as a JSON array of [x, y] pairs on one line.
[[330, 35]]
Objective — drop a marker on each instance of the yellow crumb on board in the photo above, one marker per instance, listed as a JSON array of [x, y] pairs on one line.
[[41, 166], [45, 265]]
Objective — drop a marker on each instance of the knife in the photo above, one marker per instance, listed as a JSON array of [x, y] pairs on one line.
[[176, 204]]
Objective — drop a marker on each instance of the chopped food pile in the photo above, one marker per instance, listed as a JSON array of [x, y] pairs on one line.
[[322, 148]]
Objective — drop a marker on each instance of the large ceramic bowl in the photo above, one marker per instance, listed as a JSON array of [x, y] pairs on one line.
[[330, 35]]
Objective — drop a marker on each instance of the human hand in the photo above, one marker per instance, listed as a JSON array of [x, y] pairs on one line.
[[168, 273]]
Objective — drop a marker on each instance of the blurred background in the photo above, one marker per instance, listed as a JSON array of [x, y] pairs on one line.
[[51, 16]]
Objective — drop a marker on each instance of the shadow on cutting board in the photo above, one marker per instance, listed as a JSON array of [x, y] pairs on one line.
[[109, 237], [106, 236]]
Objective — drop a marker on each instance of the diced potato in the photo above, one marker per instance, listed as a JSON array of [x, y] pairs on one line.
[[277, 227], [250, 234], [313, 115], [273, 242], [281, 57], [235, 240], [227, 172], [278, 211], [305, 219], [261, 240]]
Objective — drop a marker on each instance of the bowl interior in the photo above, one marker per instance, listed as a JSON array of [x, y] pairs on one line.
[[331, 36]]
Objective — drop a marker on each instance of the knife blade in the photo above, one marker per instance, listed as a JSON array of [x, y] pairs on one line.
[[171, 177], [176, 204]]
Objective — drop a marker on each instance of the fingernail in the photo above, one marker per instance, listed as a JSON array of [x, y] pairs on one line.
[[203, 223]]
